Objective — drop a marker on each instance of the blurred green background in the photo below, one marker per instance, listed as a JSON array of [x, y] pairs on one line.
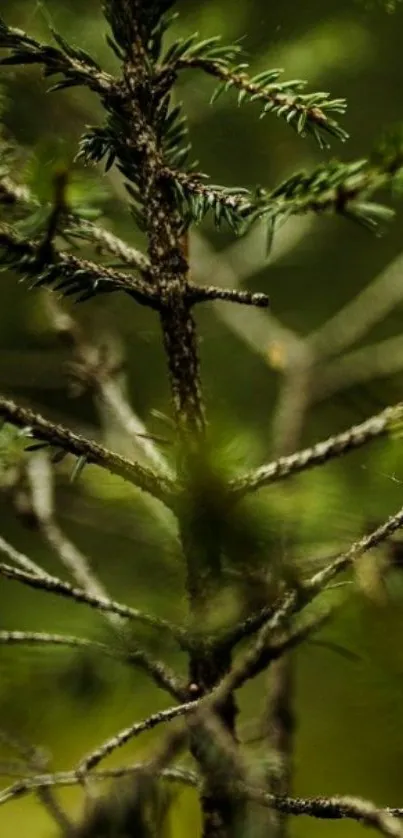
[[349, 731]]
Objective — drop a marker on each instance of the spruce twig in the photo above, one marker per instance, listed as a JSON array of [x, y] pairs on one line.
[[62, 438], [377, 426]]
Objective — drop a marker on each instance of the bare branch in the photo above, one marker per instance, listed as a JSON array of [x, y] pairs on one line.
[[360, 314], [378, 360], [158, 671], [40, 477], [295, 600], [111, 394], [200, 294], [36, 760], [323, 808], [20, 559], [70, 778], [260, 330], [93, 759], [46, 582], [101, 374], [345, 560], [331, 448], [38, 638], [333, 808]]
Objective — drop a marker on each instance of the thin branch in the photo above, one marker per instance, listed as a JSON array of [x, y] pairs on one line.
[[76, 66], [61, 437], [101, 373], [345, 560], [278, 717], [336, 188], [200, 294], [70, 778], [378, 360], [46, 582], [247, 627], [332, 808], [35, 760], [110, 394], [294, 600], [272, 642], [40, 477], [17, 194], [20, 559], [70, 274], [323, 808], [159, 672], [94, 758], [38, 638], [322, 452], [359, 315], [308, 112], [260, 330], [110, 243], [258, 655]]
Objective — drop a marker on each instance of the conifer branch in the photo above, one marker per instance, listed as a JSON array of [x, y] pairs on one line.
[[335, 446], [83, 278], [338, 188], [76, 227], [148, 126], [308, 113], [86, 450], [146, 138], [15, 194], [75, 65], [67, 273], [341, 188]]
